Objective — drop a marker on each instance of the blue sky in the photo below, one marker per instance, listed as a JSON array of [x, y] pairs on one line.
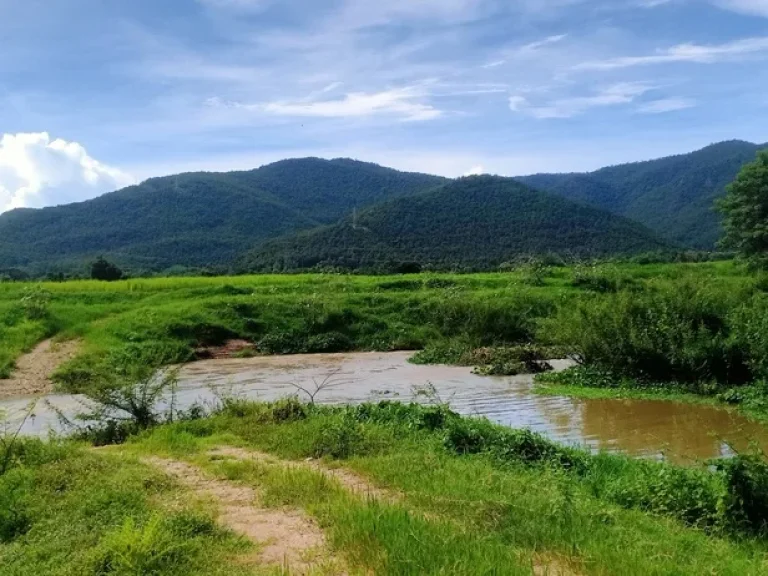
[[97, 94]]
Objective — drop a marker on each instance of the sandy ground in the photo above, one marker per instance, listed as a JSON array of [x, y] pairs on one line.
[[33, 370], [287, 538]]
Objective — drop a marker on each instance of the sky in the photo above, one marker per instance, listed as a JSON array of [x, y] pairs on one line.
[[96, 95]]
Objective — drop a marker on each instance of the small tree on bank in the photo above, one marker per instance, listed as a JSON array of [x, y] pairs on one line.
[[104, 270], [745, 212]]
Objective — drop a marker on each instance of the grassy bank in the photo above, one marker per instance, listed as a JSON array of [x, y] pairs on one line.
[[170, 320], [452, 495]]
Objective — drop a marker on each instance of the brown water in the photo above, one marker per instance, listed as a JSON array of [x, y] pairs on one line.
[[682, 433]]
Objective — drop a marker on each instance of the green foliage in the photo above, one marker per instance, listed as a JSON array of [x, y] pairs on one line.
[[171, 221], [679, 333], [150, 549], [342, 437], [745, 212], [106, 271], [746, 502], [34, 302], [535, 272], [491, 361], [15, 518], [601, 279], [673, 196], [476, 222], [67, 510]]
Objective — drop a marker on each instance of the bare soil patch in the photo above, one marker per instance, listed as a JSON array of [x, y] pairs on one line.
[[230, 349], [286, 538], [33, 372]]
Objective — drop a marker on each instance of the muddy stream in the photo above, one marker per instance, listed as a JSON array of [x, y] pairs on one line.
[[681, 433]]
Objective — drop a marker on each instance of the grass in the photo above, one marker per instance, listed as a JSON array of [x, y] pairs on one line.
[[168, 320], [506, 507], [69, 511]]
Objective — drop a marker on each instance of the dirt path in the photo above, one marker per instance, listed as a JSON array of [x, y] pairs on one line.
[[287, 538], [33, 372], [349, 480]]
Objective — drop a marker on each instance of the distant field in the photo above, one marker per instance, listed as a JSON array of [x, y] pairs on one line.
[[166, 320]]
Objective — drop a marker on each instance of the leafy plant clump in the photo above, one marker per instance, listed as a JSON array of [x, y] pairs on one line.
[[683, 334]]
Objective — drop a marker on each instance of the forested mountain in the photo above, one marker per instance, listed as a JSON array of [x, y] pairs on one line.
[[673, 196], [199, 219], [479, 221]]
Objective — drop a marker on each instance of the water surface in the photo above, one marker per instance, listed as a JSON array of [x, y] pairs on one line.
[[683, 433]]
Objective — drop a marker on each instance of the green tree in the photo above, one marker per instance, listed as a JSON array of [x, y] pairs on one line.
[[104, 270], [745, 212]]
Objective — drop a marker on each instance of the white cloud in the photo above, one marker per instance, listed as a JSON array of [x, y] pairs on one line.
[[36, 171], [614, 95], [533, 46], [756, 7], [475, 171], [404, 103], [696, 53], [666, 105]]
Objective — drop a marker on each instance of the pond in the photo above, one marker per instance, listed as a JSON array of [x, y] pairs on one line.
[[681, 433]]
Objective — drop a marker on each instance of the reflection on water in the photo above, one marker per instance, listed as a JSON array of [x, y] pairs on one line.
[[657, 429]]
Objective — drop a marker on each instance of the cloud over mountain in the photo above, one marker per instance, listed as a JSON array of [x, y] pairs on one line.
[[37, 171]]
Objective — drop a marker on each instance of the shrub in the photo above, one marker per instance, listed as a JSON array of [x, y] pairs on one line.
[[106, 271], [342, 438], [749, 331], [34, 302], [15, 519], [288, 410], [329, 342], [535, 272], [282, 343], [746, 503], [675, 334]]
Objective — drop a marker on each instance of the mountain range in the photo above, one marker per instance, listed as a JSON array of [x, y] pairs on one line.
[[310, 212], [673, 196], [478, 222]]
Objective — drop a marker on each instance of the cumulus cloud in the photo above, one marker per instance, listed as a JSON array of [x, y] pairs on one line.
[[475, 171], [36, 171]]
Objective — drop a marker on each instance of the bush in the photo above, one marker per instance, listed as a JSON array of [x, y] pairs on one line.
[[746, 503], [34, 302], [601, 279], [330, 342], [15, 519], [342, 438], [106, 271], [749, 331], [675, 334]]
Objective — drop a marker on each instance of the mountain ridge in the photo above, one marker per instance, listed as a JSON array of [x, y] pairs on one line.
[[477, 221], [673, 195]]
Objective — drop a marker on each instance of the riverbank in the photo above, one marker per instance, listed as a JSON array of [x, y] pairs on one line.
[[160, 321], [751, 400], [388, 489], [680, 433]]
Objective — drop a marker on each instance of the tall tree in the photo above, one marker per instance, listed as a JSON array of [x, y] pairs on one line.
[[745, 212]]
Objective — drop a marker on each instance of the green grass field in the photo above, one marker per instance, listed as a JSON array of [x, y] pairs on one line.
[[456, 496], [453, 496], [162, 321]]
